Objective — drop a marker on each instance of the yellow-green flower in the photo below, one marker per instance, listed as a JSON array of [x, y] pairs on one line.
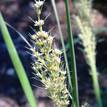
[[48, 63]]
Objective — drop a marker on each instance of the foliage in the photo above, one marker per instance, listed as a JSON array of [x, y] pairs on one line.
[[17, 63], [47, 58]]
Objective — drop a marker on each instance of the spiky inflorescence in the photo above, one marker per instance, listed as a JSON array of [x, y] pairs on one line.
[[86, 33], [48, 63], [89, 42]]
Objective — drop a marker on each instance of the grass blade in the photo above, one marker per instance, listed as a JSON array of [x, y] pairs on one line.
[[75, 96], [17, 63]]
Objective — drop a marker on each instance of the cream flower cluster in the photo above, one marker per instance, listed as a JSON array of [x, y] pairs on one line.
[[86, 33], [48, 62]]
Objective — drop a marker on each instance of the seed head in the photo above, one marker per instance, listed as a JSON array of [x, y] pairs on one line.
[[38, 4]]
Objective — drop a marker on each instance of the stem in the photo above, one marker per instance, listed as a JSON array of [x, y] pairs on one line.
[[96, 84], [40, 27], [62, 42], [75, 95]]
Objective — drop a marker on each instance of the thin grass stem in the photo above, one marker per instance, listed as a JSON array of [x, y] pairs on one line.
[[62, 41], [75, 96]]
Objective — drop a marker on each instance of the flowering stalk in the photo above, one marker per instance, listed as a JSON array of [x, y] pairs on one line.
[[89, 42], [48, 62]]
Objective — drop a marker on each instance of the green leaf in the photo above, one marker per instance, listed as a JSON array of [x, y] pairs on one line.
[[17, 63], [75, 96]]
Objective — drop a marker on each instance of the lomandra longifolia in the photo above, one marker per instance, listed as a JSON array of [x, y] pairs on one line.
[[47, 64]]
